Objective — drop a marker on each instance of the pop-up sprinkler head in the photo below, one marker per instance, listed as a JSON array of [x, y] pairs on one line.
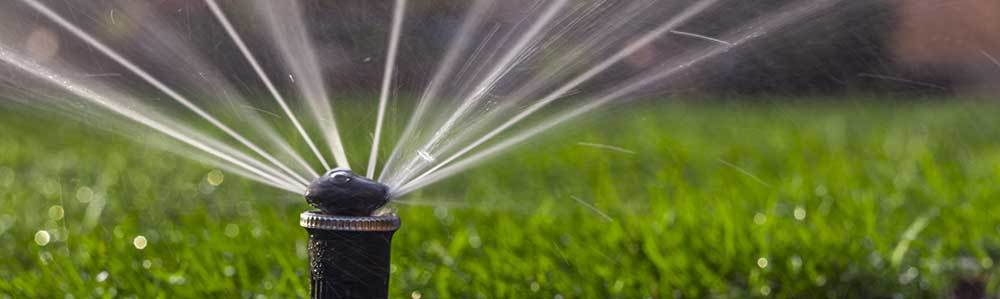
[[343, 192], [348, 245]]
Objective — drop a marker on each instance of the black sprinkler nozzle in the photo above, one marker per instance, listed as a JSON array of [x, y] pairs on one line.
[[348, 246], [343, 192]]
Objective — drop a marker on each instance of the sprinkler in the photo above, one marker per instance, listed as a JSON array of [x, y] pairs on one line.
[[348, 244]]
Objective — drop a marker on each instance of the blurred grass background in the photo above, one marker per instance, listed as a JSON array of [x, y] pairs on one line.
[[859, 199]]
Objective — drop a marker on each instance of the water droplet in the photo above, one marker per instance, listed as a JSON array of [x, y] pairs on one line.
[[820, 280], [795, 262], [759, 218], [416, 295], [42, 238], [799, 213], [229, 271], [762, 263], [821, 190], [232, 230], [146, 264], [765, 290], [425, 155], [176, 279], [139, 242], [215, 177], [101, 277], [56, 212], [535, 286], [84, 194], [51, 188]]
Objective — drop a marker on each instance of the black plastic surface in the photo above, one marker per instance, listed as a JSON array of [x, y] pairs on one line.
[[349, 264]]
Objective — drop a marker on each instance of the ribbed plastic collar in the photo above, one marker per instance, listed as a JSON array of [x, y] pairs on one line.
[[385, 223]]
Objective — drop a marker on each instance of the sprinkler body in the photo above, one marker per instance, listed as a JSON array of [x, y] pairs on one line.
[[348, 246]]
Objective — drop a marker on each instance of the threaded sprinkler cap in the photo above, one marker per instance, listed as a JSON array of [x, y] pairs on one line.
[[317, 220]]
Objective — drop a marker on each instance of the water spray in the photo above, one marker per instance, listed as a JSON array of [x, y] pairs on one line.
[[349, 244]]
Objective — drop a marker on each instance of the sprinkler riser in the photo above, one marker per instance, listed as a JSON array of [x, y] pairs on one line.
[[349, 255]]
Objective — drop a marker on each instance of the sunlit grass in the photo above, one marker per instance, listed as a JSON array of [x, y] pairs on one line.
[[788, 200]]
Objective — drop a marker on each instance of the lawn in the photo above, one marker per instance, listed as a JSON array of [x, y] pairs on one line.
[[807, 199]]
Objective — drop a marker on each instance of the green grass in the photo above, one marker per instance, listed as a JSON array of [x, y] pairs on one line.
[[726, 200]]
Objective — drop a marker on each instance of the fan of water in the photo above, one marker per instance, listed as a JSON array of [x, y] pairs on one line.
[[247, 86]]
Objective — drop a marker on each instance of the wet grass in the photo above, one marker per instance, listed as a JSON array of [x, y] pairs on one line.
[[784, 200]]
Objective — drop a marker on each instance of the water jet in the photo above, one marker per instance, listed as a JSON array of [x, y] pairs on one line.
[[349, 242], [508, 73]]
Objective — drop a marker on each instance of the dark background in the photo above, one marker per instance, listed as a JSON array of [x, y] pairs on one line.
[[898, 47]]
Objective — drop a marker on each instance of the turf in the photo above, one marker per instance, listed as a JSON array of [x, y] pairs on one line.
[[709, 200]]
